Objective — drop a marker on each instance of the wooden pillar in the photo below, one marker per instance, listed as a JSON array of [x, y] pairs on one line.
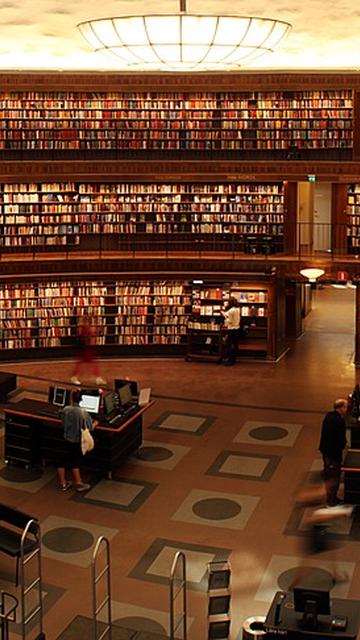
[[294, 317], [339, 219], [290, 217], [276, 319]]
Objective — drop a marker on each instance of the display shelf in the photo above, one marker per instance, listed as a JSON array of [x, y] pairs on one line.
[[244, 217], [205, 335]]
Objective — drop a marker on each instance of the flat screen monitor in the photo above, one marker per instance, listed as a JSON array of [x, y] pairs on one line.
[[121, 383], [111, 403], [125, 395], [58, 396], [90, 403], [312, 603]]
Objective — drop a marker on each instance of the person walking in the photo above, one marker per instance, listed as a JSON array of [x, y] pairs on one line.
[[86, 343], [232, 318], [318, 534], [332, 445], [73, 419]]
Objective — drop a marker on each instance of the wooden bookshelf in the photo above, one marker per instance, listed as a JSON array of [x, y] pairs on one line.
[[353, 218], [262, 314], [282, 123], [131, 316], [242, 217], [136, 313]]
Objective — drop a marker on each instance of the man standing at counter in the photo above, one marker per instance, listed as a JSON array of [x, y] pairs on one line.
[[332, 445], [73, 419]]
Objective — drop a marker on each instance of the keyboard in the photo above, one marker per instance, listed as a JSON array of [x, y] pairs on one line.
[[130, 411], [51, 412], [122, 415], [116, 418]]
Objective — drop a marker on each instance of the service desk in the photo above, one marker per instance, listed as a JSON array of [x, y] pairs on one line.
[[288, 625], [351, 469], [33, 437]]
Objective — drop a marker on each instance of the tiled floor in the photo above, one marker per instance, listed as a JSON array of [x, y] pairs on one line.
[[224, 452]]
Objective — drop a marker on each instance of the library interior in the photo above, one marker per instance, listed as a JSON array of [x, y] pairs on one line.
[[161, 218]]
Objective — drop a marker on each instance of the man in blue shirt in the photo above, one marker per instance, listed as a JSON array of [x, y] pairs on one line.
[[73, 419]]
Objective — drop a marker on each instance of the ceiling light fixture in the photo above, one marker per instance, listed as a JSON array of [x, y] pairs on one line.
[[184, 41]]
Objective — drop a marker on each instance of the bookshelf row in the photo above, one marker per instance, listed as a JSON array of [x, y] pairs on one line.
[[246, 217], [353, 218], [220, 121], [69, 213], [42, 315]]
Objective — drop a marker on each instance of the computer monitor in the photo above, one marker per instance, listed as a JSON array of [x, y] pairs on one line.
[[312, 603], [123, 382], [90, 403], [58, 396], [125, 395], [111, 402]]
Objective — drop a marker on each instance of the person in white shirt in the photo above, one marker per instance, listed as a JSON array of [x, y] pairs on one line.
[[232, 318]]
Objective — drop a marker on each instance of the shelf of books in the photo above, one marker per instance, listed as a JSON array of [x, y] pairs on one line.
[[129, 316], [353, 219], [260, 319], [221, 122], [242, 217], [205, 334]]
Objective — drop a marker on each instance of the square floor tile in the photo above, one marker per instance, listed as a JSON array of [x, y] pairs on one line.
[[143, 619], [232, 464], [155, 565], [183, 422], [120, 493], [281, 570], [257, 432], [71, 541], [160, 455], [215, 509], [82, 627]]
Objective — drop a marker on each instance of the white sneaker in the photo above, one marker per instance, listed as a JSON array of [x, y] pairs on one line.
[[75, 380], [100, 380], [82, 486]]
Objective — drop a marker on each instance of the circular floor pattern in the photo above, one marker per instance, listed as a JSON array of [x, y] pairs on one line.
[[268, 433], [68, 540], [313, 577], [18, 474], [154, 454], [216, 508], [142, 624]]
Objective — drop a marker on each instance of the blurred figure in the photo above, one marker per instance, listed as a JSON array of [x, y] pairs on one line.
[[86, 342], [332, 445], [318, 538]]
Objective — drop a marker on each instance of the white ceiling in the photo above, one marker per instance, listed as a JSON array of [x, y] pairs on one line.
[[43, 34]]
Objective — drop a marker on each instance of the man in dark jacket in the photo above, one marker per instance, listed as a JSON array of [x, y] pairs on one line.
[[332, 445]]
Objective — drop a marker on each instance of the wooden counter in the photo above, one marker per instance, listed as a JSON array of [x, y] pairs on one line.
[[34, 436]]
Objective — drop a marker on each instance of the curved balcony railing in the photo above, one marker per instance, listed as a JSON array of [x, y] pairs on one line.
[[303, 241]]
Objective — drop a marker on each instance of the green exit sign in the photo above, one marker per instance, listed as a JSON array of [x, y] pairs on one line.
[[311, 177]]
